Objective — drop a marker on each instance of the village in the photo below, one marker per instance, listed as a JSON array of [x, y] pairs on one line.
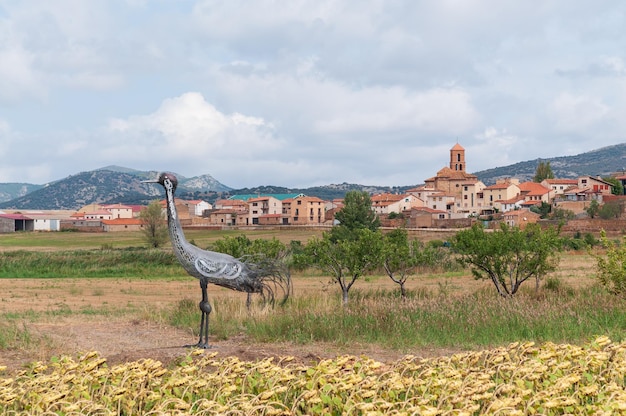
[[453, 198]]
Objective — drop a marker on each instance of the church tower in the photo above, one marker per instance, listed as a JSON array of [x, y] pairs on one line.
[[457, 158]]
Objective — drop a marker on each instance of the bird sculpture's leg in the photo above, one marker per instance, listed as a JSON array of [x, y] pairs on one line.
[[205, 309]]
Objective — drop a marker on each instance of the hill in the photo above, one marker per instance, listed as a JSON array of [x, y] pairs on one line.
[[601, 162], [9, 191], [110, 185], [116, 184]]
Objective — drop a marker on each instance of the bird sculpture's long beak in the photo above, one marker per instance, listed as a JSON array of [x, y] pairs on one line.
[[150, 181]]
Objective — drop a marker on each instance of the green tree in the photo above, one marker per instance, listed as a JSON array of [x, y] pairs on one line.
[[346, 260], [509, 256], [618, 188], [610, 210], [154, 224], [356, 214], [611, 268], [593, 208], [401, 256], [562, 214], [543, 210], [543, 171]]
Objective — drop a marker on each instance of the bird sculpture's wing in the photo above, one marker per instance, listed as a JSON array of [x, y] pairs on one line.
[[218, 268]]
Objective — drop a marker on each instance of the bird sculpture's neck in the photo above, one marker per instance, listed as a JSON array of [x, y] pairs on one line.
[[179, 242]]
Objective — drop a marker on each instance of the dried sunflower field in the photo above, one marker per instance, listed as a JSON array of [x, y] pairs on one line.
[[520, 379]]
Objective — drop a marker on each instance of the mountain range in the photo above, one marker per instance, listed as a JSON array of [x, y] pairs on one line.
[[116, 184]]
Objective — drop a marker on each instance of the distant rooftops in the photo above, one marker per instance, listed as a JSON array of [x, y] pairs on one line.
[[280, 197]]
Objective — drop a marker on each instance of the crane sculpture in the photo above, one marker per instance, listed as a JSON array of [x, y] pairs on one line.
[[263, 276]]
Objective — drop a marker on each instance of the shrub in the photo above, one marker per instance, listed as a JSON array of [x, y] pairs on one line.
[[612, 267]]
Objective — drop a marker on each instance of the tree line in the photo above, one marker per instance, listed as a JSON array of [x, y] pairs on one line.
[[356, 247]]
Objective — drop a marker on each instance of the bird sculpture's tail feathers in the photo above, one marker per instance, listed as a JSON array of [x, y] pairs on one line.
[[273, 276]]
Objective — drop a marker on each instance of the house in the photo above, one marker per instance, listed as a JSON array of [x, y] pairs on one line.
[[198, 207], [559, 186], [122, 224], [536, 192], [441, 201], [596, 184], [472, 199], [100, 214], [10, 223], [270, 219], [387, 203], [264, 206], [424, 217], [225, 216], [236, 205], [303, 210], [520, 218], [49, 220], [502, 190], [512, 204], [119, 210]]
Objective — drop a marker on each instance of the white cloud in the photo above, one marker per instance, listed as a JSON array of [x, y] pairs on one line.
[[187, 129], [576, 112], [307, 91], [389, 109]]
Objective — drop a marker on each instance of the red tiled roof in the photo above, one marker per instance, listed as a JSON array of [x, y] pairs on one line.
[[15, 216], [503, 185], [533, 188], [387, 197]]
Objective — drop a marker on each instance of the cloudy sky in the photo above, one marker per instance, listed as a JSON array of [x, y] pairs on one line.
[[299, 93]]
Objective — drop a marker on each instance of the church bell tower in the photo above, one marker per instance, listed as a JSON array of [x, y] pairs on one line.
[[457, 158]]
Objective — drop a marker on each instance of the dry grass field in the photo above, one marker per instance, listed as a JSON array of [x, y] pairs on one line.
[[110, 315]]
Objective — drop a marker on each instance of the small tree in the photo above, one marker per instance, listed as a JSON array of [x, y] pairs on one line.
[[543, 209], [348, 259], [593, 208], [509, 256], [610, 210], [562, 214], [356, 214], [612, 267], [398, 257], [543, 171], [618, 188], [154, 224]]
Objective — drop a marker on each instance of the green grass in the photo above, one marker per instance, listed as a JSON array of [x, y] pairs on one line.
[[130, 262], [14, 336]]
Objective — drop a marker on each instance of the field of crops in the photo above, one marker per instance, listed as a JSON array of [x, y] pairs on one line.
[[522, 378]]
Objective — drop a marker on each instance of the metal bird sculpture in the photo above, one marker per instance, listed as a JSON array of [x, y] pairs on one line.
[[263, 276]]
